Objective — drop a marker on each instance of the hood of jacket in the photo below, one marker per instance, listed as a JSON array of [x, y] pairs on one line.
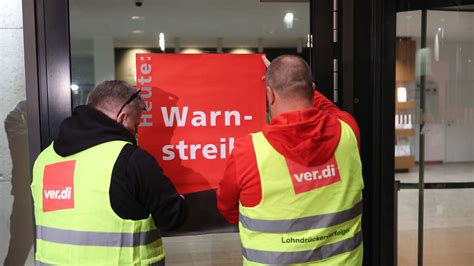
[[88, 127], [308, 137]]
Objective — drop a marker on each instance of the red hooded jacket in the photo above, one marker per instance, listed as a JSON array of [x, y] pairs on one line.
[[309, 137]]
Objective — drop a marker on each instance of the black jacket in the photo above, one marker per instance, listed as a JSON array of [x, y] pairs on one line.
[[138, 186]]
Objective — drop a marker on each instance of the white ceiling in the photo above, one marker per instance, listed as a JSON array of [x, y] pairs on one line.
[[198, 23], [240, 23], [456, 26]]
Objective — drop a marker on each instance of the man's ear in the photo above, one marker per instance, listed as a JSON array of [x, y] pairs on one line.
[[270, 95], [121, 117], [314, 86]]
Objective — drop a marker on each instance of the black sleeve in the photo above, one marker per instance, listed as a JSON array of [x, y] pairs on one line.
[[154, 191]]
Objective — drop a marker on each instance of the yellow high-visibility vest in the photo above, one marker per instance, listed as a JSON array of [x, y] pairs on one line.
[[307, 215], [75, 223]]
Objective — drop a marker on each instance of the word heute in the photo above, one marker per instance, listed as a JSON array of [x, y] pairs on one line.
[[144, 78]]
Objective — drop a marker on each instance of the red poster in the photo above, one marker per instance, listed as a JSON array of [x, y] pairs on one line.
[[197, 106]]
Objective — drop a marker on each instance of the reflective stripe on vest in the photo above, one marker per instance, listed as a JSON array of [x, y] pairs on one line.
[[301, 224], [324, 252], [321, 224], [159, 263], [101, 239]]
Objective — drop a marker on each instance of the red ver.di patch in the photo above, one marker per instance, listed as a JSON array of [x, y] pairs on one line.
[[309, 178], [58, 186]]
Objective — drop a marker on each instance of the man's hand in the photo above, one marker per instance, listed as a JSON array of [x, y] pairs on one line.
[[265, 60]]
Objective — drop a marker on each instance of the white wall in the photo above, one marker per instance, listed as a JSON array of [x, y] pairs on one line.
[[12, 74], [104, 59], [12, 91], [82, 73]]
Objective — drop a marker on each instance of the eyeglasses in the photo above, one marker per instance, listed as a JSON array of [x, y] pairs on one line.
[[129, 101]]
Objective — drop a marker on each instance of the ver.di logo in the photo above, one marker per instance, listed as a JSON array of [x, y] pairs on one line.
[[308, 178], [58, 186]]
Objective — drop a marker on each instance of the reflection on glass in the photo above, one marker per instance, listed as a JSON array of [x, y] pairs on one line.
[[449, 126], [104, 46], [407, 59], [21, 220]]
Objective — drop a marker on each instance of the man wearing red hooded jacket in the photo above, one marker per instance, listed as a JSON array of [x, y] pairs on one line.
[[296, 187]]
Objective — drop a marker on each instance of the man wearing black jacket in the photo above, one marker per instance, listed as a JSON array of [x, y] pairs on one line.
[[138, 191]]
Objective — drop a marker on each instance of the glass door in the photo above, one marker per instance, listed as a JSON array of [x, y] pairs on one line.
[[434, 125]]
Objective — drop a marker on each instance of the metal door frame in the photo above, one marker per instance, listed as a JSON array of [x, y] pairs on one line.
[[47, 70]]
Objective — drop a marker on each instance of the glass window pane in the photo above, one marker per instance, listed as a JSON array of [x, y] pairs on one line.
[[16, 221], [407, 227], [449, 218], [106, 35], [448, 60], [449, 227]]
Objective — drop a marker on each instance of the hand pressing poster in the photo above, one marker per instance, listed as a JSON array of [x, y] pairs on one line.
[[197, 106]]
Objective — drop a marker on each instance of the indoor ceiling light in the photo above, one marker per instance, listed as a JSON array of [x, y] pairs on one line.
[[241, 51], [162, 41], [137, 31], [192, 51], [436, 47], [288, 19], [74, 89], [137, 18], [401, 94]]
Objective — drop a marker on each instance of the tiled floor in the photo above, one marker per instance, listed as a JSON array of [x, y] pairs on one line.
[[215, 250], [449, 223], [443, 246], [449, 218]]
